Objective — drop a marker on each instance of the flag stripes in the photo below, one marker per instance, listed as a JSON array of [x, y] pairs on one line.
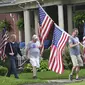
[[3, 42], [45, 23], [59, 40]]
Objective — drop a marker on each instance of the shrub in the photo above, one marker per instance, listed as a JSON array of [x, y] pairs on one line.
[[43, 66], [6, 63], [27, 68], [6, 24], [46, 54], [3, 70], [66, 59]]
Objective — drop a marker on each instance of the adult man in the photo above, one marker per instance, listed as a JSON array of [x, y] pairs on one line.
[[12, 49], [75, 54], [34, 54]]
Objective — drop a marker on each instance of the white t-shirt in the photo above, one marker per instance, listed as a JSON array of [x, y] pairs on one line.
[[34, 51]]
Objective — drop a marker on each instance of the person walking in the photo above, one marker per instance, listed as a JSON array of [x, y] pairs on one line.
[[33, 51], [74, 49], [11, 50]]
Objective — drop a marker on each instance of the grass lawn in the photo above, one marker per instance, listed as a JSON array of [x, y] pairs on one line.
[[13, 81], [42, 77]]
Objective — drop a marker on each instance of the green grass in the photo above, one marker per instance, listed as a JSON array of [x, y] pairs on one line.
[[42, 77], [13, 81], [46, 75]]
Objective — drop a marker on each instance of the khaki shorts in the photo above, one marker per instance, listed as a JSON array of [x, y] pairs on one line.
[[77, 60]]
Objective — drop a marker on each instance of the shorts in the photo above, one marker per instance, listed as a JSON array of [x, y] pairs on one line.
[[35, 61], [77, 60]]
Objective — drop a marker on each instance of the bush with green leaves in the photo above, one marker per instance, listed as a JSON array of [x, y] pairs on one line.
[[43, 66], [20, 24], [3, 71], [27, 68], [6, 24], [6, 63], [67, 59], [46, 54], [79, 18]]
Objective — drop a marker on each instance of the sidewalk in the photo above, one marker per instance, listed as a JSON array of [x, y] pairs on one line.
[[65, 81], [58, 82]]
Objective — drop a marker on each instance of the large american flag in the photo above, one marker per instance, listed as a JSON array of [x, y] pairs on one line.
[[45, 23], [59, 40], [3, 42]]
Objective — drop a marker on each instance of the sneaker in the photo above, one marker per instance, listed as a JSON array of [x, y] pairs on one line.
[[79, 79], [70, 77], [34, 77]]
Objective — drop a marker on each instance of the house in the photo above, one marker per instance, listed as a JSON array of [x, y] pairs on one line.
[[61, 11]]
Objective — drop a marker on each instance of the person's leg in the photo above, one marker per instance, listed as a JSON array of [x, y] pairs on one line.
[[33, 63], [9, 69], [74, 61], [34, 72], [73, 70], [80, 63], [77, 71], [14, 68]]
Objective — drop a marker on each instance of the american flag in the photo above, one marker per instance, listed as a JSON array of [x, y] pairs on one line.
[[59, 40], [84, 35], [3, 42], [45, 23], [84, 42]]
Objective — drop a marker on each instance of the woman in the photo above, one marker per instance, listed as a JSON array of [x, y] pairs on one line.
[[33, 49]]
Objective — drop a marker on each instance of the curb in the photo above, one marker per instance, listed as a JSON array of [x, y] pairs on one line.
[[64, 81]]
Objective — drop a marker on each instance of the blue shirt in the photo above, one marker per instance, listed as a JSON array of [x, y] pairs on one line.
[[76, 49]]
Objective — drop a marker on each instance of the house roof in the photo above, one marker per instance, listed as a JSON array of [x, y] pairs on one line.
[[20, 5]]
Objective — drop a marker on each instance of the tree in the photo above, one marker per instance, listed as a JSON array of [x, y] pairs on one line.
[[6, 24], [79, 19], [20, 24]]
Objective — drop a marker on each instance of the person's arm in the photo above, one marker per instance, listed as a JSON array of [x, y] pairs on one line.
[[73, 45], [39, 45], [72, 42]]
